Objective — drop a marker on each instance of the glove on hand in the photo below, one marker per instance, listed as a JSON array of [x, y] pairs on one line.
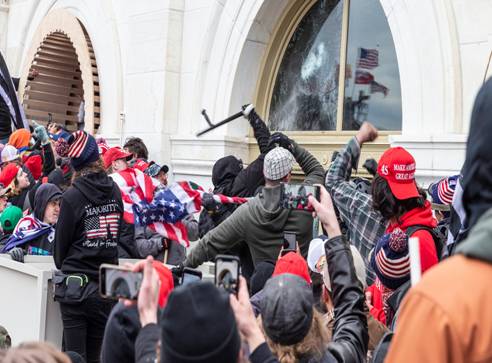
[[41, 134], [208, 202], [17, 254], [282, 141]]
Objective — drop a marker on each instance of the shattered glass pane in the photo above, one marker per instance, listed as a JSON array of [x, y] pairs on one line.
[[305, 95]]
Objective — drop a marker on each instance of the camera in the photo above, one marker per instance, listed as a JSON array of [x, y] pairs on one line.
[[227, 273]]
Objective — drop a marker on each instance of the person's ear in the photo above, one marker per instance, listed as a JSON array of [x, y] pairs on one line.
[[287, 178]]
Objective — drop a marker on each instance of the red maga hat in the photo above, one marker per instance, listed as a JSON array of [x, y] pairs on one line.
[[397, 167]]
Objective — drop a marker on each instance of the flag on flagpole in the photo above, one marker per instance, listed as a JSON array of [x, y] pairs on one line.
[[378, 87], [368, 58], [363, 77]]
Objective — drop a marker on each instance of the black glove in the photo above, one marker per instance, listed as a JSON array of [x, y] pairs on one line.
[[282, 141], [209, 203], [371, 166], [17, 254]]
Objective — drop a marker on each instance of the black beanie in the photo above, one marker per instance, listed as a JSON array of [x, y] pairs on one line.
[[198, 325]]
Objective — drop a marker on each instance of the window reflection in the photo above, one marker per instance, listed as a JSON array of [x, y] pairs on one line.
[[306, 89], [372, 82]]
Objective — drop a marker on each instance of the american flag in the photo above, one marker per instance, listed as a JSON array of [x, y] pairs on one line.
[[27, 229], [378, 87], [368, 58], [162, 209], [102, 226], [363, 77]]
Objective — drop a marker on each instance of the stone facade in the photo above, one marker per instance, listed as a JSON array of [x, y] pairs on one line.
[[161, 61]]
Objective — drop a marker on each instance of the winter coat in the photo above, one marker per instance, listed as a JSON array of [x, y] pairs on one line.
[[450, 307], [261, 222], [88, 228]]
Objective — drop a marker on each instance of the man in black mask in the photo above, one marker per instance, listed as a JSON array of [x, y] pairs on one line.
[[231, 179], [451, 305]]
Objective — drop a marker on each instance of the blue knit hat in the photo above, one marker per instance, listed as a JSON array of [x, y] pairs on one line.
[[390, 259], [82, 150]]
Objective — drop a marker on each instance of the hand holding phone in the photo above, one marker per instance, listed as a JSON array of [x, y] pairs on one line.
[[117, 282], [227, 273], [289, 243], [296, 196], [325, 211]]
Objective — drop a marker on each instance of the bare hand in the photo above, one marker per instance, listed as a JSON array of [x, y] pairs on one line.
[[245, 317], [366, 133], [325, 211], [148, 295]]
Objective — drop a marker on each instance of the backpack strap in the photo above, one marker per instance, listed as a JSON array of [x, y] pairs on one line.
[[438, 243]]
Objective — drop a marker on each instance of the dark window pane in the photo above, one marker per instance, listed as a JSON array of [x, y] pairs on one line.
[[306, 88], [372, 85]]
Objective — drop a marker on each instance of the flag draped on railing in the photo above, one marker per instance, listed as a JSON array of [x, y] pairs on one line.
[[162, 210]]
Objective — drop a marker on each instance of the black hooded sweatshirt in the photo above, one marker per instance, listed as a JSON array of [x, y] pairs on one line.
[[87, 232], [44, 243], [477, 170]]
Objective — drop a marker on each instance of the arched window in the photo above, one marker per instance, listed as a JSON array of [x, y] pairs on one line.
[[310, 83]]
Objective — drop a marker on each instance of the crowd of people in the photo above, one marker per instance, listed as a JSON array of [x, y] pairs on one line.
[[343, 294]]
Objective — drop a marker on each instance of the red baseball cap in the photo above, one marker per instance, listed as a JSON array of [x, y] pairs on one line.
[[292, 263], [115, 153], [397, 167]]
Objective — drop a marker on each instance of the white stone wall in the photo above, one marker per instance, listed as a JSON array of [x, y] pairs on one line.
[[161, 61]]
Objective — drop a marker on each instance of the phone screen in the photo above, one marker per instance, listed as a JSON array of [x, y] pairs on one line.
[[296, 196], [227, 273], [116, 283], [289, 244]]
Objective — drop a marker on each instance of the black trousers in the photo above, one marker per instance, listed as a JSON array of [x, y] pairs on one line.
[[83, 326]]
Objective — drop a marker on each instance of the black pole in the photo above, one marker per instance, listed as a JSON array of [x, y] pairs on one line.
[[214, 126]]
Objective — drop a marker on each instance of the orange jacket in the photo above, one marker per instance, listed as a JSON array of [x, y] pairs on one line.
[[447, 317]]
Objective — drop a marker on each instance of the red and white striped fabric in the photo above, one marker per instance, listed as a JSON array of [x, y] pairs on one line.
[[445, 192], [135, 186], [77, 146], [191, 195]]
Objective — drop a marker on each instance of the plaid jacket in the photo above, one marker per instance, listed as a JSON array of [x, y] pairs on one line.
[[365, 225]]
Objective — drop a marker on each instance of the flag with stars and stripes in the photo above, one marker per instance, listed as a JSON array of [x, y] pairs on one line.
[[163, 210], [368, 58]]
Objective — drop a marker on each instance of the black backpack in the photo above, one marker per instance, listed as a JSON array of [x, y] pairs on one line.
[[437, 235]]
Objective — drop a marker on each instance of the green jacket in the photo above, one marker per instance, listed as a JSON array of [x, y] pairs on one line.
[[261, 222]]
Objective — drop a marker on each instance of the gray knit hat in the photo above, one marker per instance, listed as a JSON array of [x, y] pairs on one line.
[[278, 163]]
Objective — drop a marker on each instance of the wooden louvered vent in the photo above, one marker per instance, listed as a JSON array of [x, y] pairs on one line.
[[54, 85]]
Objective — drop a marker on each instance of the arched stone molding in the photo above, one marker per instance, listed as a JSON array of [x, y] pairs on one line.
[[62, 21], [98, 19]]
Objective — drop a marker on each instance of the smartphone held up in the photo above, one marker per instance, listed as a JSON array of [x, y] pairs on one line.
[[296, 196], [227, 273], [117, 282]]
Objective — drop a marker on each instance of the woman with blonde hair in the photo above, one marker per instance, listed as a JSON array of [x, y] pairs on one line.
[[294, 329]]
